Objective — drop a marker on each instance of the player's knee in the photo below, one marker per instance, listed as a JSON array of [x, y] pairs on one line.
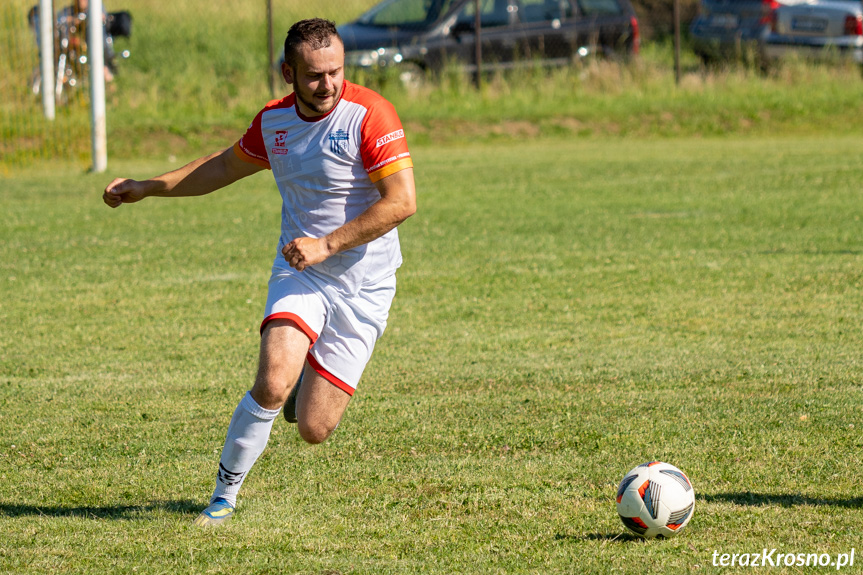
[[272, 388], [314, 432], [269, 397]]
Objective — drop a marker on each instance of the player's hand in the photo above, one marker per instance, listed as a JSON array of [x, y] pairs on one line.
[[301, 253], [124, 191]]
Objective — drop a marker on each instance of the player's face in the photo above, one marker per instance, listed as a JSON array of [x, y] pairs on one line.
[[318, 77]]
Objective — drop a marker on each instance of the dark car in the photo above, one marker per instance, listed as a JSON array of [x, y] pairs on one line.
[[428, 34], [731, 28]]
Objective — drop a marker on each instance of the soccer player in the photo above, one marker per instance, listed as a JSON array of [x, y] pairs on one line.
[[341, 163]]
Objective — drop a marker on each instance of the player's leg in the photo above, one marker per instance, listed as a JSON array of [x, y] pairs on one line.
[[320, 406], [338, 358], [283, 353], [283, 350]]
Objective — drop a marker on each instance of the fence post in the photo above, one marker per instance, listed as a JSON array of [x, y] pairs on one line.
[[478, 39], [271, 74], [677, 42], [96, 49], [46, 56]]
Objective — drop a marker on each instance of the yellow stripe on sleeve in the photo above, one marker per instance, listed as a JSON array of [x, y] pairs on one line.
[[250, 159], [391, 169]]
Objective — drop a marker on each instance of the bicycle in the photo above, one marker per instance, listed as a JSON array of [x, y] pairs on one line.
[[70, 48]]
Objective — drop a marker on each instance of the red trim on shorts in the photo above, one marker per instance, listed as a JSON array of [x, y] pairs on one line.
[[313, 363], [304, 327]]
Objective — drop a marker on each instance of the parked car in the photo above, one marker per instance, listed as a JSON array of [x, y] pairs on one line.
[[428, 34], [817, 29], [731, 29]]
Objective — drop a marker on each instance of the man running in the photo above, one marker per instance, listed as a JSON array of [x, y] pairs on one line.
[[340, 160]]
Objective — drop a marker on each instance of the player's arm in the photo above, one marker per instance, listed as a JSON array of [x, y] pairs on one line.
[[397, 203], [196, 178]]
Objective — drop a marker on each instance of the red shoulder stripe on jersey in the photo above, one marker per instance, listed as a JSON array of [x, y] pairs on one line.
[[241, 153], [250, 147], [383, 146], [361, 95]]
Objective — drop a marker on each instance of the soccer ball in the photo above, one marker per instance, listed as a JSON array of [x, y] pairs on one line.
[[655, 500]]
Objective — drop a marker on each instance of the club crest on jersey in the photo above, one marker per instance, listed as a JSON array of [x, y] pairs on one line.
[[280, 149], [339, 141]]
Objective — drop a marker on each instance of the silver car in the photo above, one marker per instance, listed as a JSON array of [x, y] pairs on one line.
[[817, 29]]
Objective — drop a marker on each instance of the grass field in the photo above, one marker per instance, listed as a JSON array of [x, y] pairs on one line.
[[195, 80], [568, 308]]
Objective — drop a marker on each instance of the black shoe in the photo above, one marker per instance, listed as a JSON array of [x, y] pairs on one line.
[[290, 409]]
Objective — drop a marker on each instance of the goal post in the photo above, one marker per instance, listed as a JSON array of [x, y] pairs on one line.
[[46, 56], [96, 48]]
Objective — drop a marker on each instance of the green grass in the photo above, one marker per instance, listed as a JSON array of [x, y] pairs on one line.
[[194, 81], [568, 308], [196, 72]]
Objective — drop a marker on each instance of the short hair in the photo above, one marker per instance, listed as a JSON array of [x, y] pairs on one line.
[[316, 32]]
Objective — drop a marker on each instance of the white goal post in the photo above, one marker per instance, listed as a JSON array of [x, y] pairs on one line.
[[46, 56], [96, 48]]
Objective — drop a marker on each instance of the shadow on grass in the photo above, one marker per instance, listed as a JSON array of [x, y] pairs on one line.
[[741, 498], [184, 507], [618, 537], [784, 500]]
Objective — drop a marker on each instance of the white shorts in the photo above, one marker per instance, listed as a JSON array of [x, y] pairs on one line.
[[343, 328]]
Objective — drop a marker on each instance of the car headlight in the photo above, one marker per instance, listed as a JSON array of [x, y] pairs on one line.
[[369, 58]]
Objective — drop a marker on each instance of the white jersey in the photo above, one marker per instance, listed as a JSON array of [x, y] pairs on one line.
[[325, 168]]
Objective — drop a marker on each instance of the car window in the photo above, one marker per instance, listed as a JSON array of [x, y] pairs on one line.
[[544, 10], [406, 13], [492, 13], [599, 7]]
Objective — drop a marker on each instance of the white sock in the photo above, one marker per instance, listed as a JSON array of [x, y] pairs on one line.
[[247, 437]]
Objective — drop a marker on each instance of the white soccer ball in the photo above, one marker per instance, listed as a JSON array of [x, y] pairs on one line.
[[655, 499]]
